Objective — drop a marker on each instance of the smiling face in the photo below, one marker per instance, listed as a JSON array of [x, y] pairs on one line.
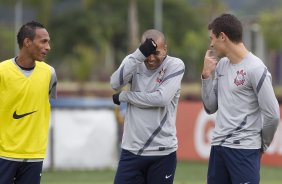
[[154, 60], [39, 46]]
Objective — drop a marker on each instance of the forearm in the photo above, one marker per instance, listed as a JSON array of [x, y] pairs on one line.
[[270, 113], [209, 95], [268, 131], [161, 97], [145, 100], [123, 74]]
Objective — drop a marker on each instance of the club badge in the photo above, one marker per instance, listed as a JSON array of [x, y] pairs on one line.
[[161, 75], [240, 78]]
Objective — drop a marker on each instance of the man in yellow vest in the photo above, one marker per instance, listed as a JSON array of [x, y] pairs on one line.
[[26, 84]]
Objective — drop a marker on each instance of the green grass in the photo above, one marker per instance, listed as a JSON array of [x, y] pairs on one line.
[[186, 173]]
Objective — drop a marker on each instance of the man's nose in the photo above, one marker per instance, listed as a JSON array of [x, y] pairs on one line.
[[150, 57], [48, 48]]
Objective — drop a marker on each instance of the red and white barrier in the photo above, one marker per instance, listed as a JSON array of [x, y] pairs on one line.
[[194, 127]]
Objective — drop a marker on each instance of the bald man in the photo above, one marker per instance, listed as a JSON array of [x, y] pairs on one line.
[[149, 141]]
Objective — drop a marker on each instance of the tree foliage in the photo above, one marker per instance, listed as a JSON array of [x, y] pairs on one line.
[[270, 22], [89, 41], [7, 43]]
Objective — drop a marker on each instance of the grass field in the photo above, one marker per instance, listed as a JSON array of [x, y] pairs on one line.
[[186, 173]]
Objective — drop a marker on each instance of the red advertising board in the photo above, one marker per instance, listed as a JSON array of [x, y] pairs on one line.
[[194, 127]]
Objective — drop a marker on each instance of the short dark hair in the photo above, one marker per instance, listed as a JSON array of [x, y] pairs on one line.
[[28, 31], [229, 25]]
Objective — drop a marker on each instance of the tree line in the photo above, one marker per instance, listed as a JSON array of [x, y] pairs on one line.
[[90, 40]]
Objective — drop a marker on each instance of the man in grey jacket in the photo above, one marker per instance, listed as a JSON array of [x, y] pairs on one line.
[[242, 95], [149, 141]]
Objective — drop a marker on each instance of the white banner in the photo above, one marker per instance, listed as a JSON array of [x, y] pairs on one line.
[[83, 139]]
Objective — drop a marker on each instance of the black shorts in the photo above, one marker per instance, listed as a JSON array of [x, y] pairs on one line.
[[136, 169], [20, 172], [229, 165]]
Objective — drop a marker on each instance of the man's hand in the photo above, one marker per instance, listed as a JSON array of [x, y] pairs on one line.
[[116, 98], [148, 47], [210, 62]]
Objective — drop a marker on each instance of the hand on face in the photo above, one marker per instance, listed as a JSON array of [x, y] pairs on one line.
[[154, 60], [210, 62], [148, 47], [154, 50]]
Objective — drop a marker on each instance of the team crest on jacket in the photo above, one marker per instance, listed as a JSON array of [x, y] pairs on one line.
[[240, 78], [161, 75]]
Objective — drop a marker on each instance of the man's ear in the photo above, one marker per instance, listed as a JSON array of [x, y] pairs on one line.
[[27, 42], [222, 36], [165, 47]]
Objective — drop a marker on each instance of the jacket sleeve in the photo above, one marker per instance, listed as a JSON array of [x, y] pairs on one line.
[[262, 84], [53, 84], [123, 75], [162, 95], [209, 94]]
